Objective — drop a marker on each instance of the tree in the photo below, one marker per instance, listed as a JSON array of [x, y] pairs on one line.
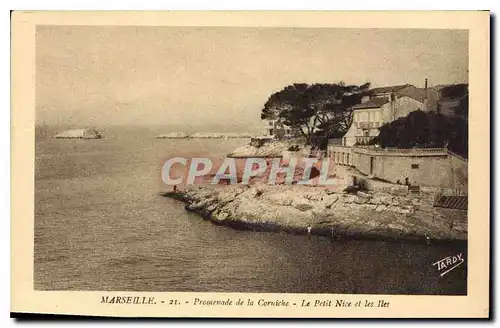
[[463, 107], [460, 92], [425, 129], [318, 109]]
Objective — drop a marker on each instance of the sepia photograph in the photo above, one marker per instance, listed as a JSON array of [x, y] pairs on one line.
[[251, 159], [112, 102]]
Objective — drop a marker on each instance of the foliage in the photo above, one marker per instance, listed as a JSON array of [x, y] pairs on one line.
[[461, 92], [425, 129], [454, 91], [320, 109]]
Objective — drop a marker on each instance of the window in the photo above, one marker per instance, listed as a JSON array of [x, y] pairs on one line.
[[271, 132], [414, 166]]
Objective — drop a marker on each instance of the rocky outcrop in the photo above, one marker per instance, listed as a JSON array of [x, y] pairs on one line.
[[322, 211], [173, 135], [266, 147], [79, 134], [206, 135]]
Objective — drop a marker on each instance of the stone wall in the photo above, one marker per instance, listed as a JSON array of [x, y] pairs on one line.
[[424, 167], [340, 154]]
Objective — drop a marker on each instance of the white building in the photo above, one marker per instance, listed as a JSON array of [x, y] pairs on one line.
[[383, 105], [277, 129]]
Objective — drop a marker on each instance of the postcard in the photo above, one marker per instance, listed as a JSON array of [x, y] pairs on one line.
[[251, 164]]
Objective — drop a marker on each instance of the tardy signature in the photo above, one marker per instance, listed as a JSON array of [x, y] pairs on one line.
[[449, 263]]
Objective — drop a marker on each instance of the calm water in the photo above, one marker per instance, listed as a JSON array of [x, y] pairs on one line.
[[100, 224]]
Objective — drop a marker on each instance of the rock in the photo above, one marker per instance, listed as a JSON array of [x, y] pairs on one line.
[[79, 134], [255, 212], [303, 207], [350, 199], [375, 200], [220, 216], [386, 200], [369, 206], [329, 200], [300, 202], [279, 198], [292, 208], [392, 208], [212, 207], [396, 226], [282, 178], [230, 194], [206, 135], [360, 200], [264, 148], [395, 201], [364, 194], [314, 197], [415, 201], [231, 135]]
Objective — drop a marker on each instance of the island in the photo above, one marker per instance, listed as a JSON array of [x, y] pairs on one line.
[[88, 133], [204, 135]]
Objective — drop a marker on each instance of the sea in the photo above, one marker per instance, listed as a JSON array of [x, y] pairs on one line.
[[102, 224]]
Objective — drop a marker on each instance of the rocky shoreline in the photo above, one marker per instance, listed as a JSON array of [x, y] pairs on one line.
[[327, 212]]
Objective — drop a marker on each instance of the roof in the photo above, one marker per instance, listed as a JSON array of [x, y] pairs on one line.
[[414, 93], [373, 103], [389, 89]]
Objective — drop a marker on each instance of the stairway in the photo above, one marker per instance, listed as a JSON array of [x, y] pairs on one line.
[[414, 189], [455, 202]]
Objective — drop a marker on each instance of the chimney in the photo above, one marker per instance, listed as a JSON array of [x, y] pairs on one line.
[[425, 95]]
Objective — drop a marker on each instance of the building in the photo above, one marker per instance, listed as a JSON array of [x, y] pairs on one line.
[[277, 129], [436, 168], [384, 105]]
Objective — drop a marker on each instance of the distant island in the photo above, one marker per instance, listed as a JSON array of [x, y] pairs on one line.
[[89, 133], [204, 135]]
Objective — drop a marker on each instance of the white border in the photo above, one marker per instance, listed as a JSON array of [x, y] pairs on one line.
[[178, 5]]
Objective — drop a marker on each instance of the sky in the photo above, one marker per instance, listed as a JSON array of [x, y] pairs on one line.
[[126, 75]]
